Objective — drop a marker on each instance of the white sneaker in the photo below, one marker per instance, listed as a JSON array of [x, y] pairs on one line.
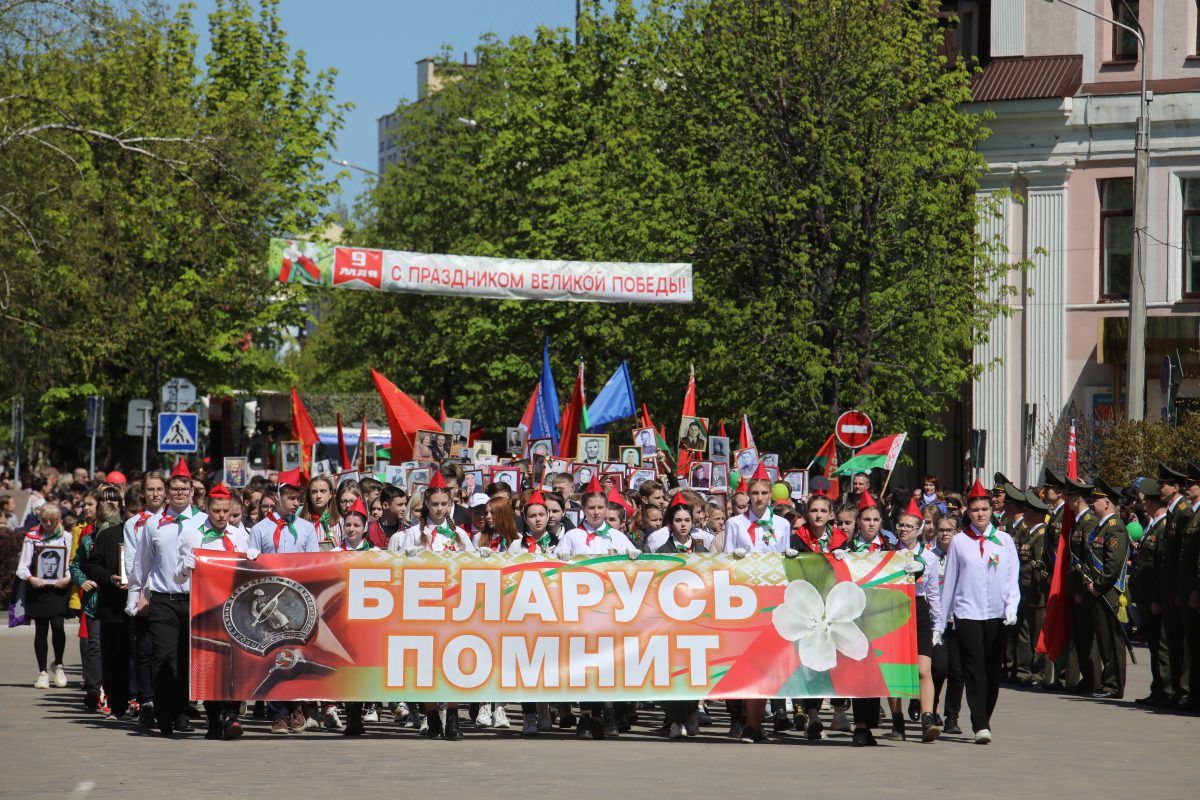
[[424, 725], [983, 737], [841, 722], [401, 714], [676, 731], [43, 680], [371, 714], [333, 720], [500, 717], [60, 676], [530, 725], [311, 724], [484, 718]]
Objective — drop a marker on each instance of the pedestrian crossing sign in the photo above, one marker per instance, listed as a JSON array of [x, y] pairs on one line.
[[177, 432]]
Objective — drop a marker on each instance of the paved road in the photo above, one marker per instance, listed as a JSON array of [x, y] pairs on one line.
[[1045, 745]]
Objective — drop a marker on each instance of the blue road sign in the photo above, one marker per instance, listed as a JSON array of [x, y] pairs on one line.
[[177, 432]]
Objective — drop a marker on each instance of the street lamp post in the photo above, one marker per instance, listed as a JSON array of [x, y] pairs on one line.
[[352, 165], [1136, 374]]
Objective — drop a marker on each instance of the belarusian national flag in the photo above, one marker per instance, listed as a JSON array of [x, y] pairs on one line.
[[825, 462], [879, 454]]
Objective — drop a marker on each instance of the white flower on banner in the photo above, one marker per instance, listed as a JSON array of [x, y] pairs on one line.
[[822, 628]]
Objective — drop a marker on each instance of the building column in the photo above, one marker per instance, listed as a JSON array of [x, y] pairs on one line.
[[990, 390], [1045, 307]]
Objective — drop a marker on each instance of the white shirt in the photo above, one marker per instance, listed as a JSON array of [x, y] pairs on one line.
[[262, 536], [412, 539], [976, 588], [192, 539], [156, 564], [657, 539], [575, 543], [700, 539], [929, 581], [517, 545], [133, 526], [738, 533]]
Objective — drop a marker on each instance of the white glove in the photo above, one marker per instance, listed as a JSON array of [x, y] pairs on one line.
[[791, 552], [562, 556], [252, 553], [1010, 618], [840, 555], [412, 552], [131, 609], [188, 560], [633, 554], [485, 552], [915, 566], [937, 638], [739, 552]]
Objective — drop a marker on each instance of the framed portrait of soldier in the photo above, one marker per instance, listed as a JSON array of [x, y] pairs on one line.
[[395, 475], [772, 473], [509, 476], [746, 461], [592, 448], [700, 476], [541, 448], [797, 479], [472, 482], [720, 479], [770, 459], [718, 449], [613, 480], [237, 472], [483, 447], [290, 456], [693, 434], [514, 441], [50, 562], [368, 457], [459, 431], [421, 475], [583, 475], [639, 476], [613, 467], [321, 466], [646, 440], [559, 465], [631, 456]]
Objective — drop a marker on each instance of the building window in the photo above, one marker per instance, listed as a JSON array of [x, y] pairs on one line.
[[1125, 46], [1116, 237], [1191, 237]]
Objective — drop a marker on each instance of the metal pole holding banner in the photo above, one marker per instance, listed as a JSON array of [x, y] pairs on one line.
[[145, 434], [18, 437]]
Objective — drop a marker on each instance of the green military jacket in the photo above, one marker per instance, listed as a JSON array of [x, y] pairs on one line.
[[1144, 582], [1034, 595], [1107, 554], [1081, 535], [1187, 580], [1053, 531], [1168, 550]]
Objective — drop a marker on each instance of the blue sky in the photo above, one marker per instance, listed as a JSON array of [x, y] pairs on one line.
[[375, 47]]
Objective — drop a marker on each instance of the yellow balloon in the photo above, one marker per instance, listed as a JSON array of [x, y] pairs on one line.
[[781, 491]]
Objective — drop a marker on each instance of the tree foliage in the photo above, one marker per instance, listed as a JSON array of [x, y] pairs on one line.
[[139, 188], [810, 157]]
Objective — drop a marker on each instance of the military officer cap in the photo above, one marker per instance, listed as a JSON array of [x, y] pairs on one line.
[[1193, 473], [1076, 486], [1103, 488], [1053, 480], [999, 482], [1148, 488], [1012, 494], [1168, 475], [1035, 503]]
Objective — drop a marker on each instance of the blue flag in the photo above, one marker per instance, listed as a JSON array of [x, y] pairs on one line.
[[545, 410], [614, 402]]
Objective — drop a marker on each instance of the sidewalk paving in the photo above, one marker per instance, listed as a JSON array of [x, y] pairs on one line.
[[1046, 745]]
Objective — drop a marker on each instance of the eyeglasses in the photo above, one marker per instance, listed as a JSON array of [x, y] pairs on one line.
[[905, 526], [181, 489]]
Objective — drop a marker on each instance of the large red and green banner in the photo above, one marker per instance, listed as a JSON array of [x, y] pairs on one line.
[[380, 626]]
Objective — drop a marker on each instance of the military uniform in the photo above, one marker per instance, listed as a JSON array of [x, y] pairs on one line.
[[1083, 632], [1143, 590], [1186, 588], [1018, 529], [1065, 673], [1179, 517], [1106, 564], [1035, 586]]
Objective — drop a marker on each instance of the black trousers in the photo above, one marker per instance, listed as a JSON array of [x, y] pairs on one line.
[[114, 664], [142, 652], [89, 656], [981, 646], [167, 624], [51, 628], [948, 674], [1109, 649]]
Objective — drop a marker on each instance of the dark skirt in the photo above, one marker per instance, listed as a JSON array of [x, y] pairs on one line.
[[46, 602], [924, 628]]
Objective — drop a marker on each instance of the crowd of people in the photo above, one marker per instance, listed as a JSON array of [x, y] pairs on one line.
[[984, 564]]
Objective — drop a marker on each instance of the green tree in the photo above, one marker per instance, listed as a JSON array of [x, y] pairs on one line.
[[140, 190], [811, 159]]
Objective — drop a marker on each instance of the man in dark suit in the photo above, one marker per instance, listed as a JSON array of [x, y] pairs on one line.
[[453, 475]]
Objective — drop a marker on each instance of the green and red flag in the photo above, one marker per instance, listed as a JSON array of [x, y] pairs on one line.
[[574, 418], [825, 462], [879, 454]]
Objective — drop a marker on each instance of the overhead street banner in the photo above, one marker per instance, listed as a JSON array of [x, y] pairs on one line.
[[380, 626], [331, 266]]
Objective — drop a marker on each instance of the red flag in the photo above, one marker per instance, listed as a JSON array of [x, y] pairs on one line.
[[721, 430], [442, 415], [404, 418], [572, 419], [1056, 629], [746, 438], [646, 422], [1072, 456], [475, 436], [303, 430], [530, 407], [826, 460], [689, 397], [343, 453]]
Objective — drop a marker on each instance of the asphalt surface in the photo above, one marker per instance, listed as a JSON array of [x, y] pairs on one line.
[[1045, 745]]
